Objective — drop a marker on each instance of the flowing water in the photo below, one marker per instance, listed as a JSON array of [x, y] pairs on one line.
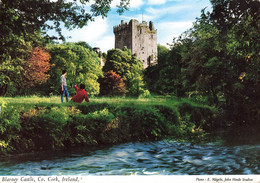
[[148, 158]]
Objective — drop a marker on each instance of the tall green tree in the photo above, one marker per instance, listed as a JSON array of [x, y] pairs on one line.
[[12, 60], [240, 25], [203, 66], [164, 78], [152, 73], [124, 63], [223, 62], [82, 65]]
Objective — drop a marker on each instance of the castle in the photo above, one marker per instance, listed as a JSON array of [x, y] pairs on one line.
[[140, 38]]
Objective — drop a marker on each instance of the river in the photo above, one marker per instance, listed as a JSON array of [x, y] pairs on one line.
[[166, 157]]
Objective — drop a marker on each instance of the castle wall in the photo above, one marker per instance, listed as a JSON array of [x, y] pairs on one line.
[[123, 36], [140, 38]]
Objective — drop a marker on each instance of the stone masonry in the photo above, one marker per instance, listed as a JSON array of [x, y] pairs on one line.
[[140, 38]]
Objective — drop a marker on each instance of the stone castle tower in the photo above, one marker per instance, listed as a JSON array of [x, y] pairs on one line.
[[140, 38]]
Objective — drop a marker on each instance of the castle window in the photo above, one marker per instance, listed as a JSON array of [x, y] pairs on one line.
[[140, 31]]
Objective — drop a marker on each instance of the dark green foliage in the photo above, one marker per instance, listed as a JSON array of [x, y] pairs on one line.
[[217, 61], [90, 128], [141, 124], [165, 77], [27, 128], [86, 108], [223, 62], [203, 117], [170, 114], [24, 17], [9, 127]]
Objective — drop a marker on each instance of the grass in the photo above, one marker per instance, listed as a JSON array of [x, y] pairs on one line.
[[166, 101]]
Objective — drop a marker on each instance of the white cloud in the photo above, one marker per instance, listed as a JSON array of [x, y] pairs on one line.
[[105, 43], [166, 11], [136, 3], [168, 30], [156, 2], [91, 34]]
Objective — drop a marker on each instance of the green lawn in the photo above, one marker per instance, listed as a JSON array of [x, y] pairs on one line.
[[157, 100]]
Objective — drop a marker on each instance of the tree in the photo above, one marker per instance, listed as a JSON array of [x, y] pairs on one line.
[[82, 65], [163, 54], [242, 58], [24, 25], [164, 78], [22, 17], [129, 68], [37, 67], [203, 70], [112, 84], [12, 60], [222, 62], [152, 73]]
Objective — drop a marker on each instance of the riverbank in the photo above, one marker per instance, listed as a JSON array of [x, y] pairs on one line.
[[42, 123]]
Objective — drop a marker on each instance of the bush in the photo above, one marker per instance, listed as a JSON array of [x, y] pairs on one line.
[[112, 84], [86, 108], [141, 124], [9, 127], [202, 117], [26, 128]]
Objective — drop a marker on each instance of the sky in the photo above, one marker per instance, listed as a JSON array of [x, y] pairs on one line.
[[170, 18]]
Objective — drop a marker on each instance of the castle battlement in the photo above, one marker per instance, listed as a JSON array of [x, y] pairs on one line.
[[140, 38], [124, 25]]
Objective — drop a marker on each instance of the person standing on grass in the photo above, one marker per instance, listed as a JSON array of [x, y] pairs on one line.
[[81, 94], [64, 89]]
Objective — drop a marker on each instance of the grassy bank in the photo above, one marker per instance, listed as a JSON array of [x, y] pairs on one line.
[[43, 123]]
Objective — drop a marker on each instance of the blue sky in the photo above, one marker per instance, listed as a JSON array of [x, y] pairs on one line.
[[170, 18]]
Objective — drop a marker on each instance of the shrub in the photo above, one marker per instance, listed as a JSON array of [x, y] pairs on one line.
[[86, 108], [140, 124], [9, 127], [202, 117], [112, 84], [26, 128]]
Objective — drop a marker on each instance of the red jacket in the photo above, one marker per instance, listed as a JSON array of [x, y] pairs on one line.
[[80, 95]]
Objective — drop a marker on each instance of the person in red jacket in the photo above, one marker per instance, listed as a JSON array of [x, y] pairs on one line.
[[81, 94]]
